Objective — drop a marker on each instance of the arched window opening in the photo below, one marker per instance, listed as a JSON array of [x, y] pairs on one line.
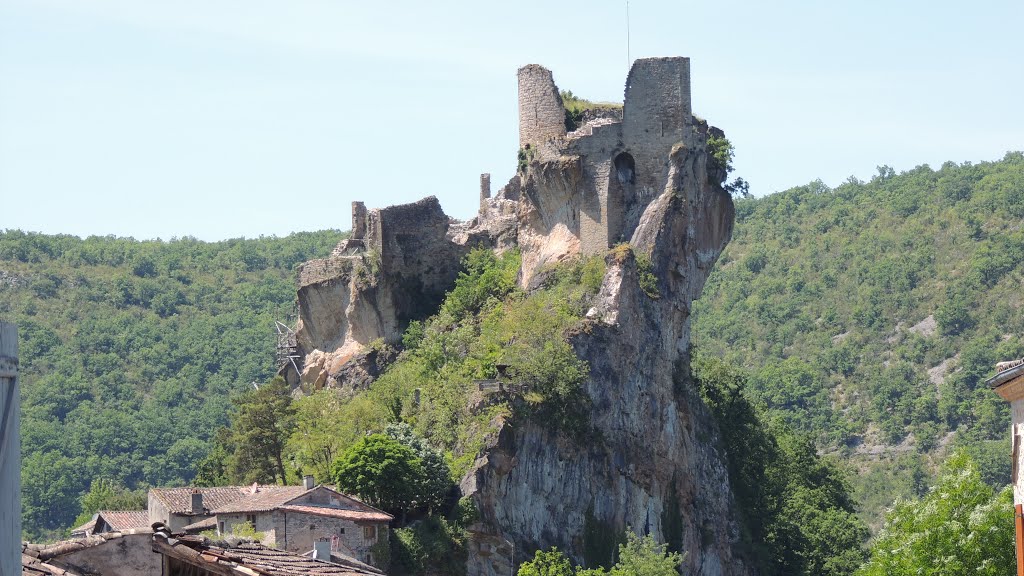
[[625, 168]]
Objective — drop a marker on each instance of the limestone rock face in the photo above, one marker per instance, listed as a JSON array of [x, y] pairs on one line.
[[396, 267], [656, 460]]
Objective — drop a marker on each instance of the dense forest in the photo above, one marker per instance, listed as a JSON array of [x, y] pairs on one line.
[[870, 314], [131, 352], [842, 340]]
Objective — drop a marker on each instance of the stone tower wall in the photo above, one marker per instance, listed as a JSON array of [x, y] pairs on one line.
[[657, 99], [541, 112], [358, 220], [485, 191], [656, 111]]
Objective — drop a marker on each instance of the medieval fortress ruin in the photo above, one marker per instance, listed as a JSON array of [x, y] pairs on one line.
[[577, 192], [586, 182]]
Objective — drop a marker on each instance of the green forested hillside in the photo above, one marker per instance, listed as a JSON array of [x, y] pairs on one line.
[[130, 352], [870, 314]]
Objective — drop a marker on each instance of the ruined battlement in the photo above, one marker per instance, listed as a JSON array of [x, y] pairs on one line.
[[324, 270], [656, 104], [541, 112], [578, 193], [624, 157]]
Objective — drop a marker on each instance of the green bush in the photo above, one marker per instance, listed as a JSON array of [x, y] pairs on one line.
[[432, 545], [383, 472], [961, 526], [722, 152]]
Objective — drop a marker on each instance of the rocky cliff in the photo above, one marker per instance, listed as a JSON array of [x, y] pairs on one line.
[[645, 192]]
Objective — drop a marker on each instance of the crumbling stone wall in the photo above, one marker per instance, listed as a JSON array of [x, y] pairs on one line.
[[541, 112], [624, 158], [656, 112], [323, 270]]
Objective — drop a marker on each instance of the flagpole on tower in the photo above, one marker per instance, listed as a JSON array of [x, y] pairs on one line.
[[628, 62]]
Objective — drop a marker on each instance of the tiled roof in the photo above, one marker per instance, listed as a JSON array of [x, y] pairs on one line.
[[120, 520], [48, 551], [32, 566], [85, 529], [246, 558], [343, 559], [179, 500], [262, 500], [354, 515], [201, 526]]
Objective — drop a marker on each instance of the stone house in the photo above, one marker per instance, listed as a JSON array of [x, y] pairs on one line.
[[113, 521], [179, 507], [294, 518], [191, 555], [1008, 383]]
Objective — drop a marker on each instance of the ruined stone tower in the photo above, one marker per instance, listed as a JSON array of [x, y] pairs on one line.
[[541, 113], [623, 158]]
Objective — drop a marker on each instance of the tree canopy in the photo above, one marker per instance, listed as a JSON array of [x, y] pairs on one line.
[[383, 472], [637, 556], [870, 313], [961, 526], [131, 351]]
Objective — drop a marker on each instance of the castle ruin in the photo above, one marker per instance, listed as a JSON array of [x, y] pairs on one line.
[[623, 162], [577, 192], [585, 183]]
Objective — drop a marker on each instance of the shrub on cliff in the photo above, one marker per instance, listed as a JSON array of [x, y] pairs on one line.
[[638, 556], [484, 278], [485, 321]]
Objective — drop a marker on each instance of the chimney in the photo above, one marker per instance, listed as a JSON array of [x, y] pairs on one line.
[[197, 502], [322, 549], [307, 482]]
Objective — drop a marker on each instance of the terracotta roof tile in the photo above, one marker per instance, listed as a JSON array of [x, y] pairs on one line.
[[264, 499], [120, 520], [179, 500], [85, 529], [47, 551], [354, 515], [246, 557], [208, 524], [32, 566]]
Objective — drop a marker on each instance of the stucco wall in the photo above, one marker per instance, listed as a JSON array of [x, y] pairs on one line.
[[129, 555], [1017, 438]]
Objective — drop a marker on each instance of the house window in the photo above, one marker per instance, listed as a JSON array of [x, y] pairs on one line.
[[369, 532], [341, 531], [251, 519], [221, 527]]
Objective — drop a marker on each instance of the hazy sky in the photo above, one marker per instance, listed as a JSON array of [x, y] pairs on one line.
[[219, 119]]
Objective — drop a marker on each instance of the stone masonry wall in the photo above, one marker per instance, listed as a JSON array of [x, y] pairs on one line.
[[541, 112], [265, 523], [656, 112], [322, 270], [305, 529], [129, 555]]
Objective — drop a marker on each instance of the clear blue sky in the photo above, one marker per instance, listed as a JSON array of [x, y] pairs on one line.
[[220, 119]]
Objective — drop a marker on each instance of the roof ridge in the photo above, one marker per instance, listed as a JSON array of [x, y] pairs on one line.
[[47, 551]]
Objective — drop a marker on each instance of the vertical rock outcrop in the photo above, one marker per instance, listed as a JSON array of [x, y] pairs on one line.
[[396, 267], [653, 464]]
